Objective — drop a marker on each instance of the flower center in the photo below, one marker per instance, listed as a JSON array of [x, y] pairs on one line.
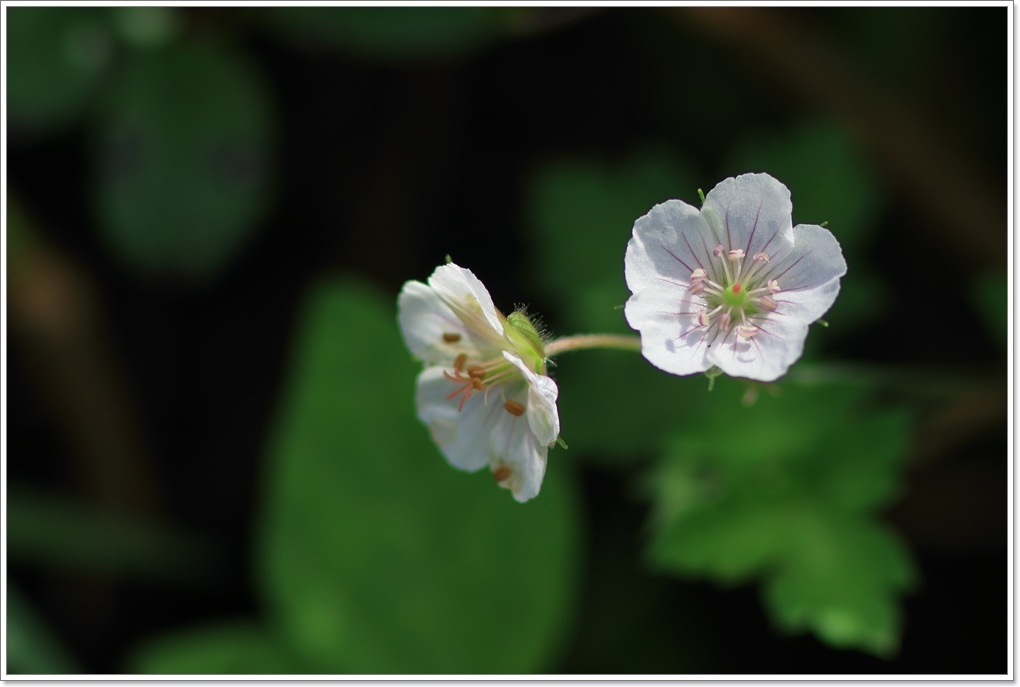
[[474, 376], [740, 292]]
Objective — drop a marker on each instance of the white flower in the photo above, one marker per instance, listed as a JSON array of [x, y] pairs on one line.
[[483, 393], [733, 285]]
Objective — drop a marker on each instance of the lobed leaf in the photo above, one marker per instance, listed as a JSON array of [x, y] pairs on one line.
[[784, 492]]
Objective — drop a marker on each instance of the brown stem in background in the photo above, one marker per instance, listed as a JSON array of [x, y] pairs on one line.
[[57, 321], [942, 183]]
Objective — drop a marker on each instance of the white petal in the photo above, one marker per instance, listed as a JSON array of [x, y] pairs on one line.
[[526, 483], [483, 433], [749, 212], [807, 305], [543, 417], [666, 245], [424, 320], [765, 357], [515, 447], [464, 436], [461, 290], [670, 336], [808, 271]]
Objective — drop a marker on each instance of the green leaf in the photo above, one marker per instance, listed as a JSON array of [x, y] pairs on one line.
[[147, 27], [842, 581], [386, 33], [56, 56], [236, 648], [785, 492], [376, 555], [729, 543], [183, 159], [32, 648]]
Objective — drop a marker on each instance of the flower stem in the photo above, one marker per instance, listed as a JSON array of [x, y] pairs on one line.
[[582, 341]]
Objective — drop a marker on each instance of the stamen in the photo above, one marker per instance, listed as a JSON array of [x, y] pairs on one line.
[[703, 320], [697, 287], [514, 408], [713, 288], [458, 363], [761, 257], [477, 384], [747, 331], [501, 473], [719, 252], [725, 320], [698, 274], [773, 286], [476, 372], [449, 337], [767, 303], [735, 254]]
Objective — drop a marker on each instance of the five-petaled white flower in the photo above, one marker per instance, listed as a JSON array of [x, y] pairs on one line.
[[734, 285], [483, 393]]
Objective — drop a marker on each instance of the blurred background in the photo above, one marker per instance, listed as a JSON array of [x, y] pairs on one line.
[[213, 459]]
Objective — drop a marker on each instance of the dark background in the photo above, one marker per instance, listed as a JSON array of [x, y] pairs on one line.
[[151, 390]]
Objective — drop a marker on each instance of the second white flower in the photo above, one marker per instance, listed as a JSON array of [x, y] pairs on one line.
[[483, 394], [733, 285]]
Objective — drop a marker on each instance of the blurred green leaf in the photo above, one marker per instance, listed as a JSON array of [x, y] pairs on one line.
[[225, 649], [827, 176], [183, 159], [148, 26], [22, 241], [785, 491], [377, 557], [32, 648], [841, 580], [387, 33], [580, 216], [830, 181], [52, 531], [56, 56], [990, 295], [614, 405]]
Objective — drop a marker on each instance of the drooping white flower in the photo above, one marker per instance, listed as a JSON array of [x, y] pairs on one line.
[[483, 393], [733, 285]]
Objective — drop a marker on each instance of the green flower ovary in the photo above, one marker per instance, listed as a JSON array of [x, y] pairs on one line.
[[527, 340], [735, 296]]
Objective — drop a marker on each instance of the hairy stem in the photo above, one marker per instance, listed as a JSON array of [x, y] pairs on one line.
[[583, 341]]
